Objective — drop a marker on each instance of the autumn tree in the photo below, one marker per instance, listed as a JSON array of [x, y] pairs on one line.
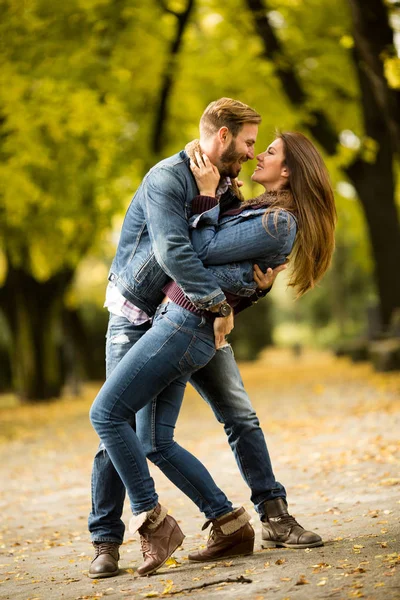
[[371, 167], [62, 137]]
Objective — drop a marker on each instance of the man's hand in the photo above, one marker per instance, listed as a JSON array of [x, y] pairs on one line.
[[265, 280], [222, 326]]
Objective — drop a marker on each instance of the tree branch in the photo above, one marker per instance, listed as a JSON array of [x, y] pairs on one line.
[[239, 579], [319, 125], [168, 10]]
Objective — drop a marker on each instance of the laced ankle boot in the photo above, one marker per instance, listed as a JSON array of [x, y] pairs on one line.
[[160, 536], [105, 562], [231, 535], [281, 529]]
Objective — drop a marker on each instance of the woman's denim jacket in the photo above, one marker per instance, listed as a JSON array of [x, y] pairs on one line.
[[230, 245], [155, 244]]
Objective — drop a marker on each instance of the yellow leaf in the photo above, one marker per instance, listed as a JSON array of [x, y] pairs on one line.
[[390, 481], [346, 41], [168, 587], [171, 562]]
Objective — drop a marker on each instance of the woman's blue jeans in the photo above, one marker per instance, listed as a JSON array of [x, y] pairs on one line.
[[157, 366]]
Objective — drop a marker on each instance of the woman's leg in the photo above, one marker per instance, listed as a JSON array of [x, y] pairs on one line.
[[178, 343], [155, 425]]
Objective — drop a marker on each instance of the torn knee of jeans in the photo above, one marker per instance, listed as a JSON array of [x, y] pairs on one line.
[[121, 338], [226, 345]]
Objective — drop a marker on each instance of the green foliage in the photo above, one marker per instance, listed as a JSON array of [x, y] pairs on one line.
[[79, 89]]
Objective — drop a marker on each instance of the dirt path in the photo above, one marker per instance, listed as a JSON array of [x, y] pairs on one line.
[[333, 430]]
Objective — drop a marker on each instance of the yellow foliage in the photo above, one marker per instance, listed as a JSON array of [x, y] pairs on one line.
[[392, 72]]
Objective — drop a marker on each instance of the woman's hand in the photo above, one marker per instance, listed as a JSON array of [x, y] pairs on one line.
[[266, 280], [206, 174]]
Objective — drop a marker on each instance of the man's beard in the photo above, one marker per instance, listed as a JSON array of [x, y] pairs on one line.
[[228, 158]]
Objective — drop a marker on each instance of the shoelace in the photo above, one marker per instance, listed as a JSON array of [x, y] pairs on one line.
[[286, 520], [104, 548], [144, 545], [212, 534]]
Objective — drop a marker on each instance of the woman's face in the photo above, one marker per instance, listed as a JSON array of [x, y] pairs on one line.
[[271, 170]]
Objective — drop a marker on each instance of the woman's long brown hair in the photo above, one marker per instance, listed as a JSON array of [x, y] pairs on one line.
[[312, 202]]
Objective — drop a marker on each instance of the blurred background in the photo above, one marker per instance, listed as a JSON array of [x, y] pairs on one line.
[[94, 92]]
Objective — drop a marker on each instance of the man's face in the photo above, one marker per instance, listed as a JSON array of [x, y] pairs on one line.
[[237, 151]]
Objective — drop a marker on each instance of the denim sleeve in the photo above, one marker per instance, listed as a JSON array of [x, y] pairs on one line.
[[165, 197], [245, 238], [203, 228]]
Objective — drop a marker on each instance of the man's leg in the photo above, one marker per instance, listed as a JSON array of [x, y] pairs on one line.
[[108, 492], [221, 385]]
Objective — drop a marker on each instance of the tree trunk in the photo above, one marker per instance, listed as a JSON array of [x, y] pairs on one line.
[[33, 312], [169, 76], [374, 182]]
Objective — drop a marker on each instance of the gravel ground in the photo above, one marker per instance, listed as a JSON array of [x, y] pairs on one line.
[[333, 433]]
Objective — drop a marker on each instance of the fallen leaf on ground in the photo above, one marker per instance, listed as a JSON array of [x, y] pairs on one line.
[[168, 587], [302, 580]]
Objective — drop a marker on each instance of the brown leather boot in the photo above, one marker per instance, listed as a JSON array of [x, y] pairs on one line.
[[281, 529], [231, 535], [160, 536], [105, 562]]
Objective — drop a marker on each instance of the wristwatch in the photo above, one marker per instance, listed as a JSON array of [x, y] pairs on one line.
[[224, 310]]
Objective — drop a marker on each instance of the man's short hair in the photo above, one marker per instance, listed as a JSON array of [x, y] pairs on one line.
[[229, 113]]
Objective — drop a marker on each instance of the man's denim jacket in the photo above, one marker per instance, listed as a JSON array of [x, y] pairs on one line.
[[155, 245]]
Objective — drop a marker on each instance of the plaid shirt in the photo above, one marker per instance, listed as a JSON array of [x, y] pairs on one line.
[[117, 304]]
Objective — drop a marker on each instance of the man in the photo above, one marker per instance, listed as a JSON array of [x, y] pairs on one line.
[[155, 247]]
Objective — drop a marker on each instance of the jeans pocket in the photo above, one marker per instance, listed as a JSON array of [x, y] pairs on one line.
[[198, 354]]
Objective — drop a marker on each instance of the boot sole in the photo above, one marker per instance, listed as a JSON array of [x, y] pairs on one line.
[[265, 544], [176, 543], [103, 575], [242, 550]]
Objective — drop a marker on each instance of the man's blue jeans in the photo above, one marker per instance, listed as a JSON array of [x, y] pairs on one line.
[[220, 384]]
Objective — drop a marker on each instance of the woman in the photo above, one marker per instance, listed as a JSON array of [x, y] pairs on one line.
[[298, 196], [181, 340]]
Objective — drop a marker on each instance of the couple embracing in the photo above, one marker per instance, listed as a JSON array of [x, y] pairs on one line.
[[192, 255]]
